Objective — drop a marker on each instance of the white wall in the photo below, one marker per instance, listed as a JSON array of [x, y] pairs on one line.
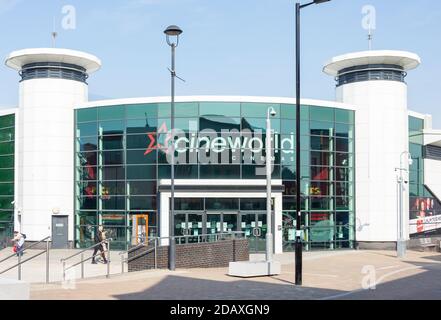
[[381, 135], [46, 152]]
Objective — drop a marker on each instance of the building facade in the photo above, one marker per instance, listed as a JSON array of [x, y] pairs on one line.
[[68, 164]]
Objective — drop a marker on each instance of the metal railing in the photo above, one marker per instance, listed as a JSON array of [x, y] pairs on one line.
[[207, 237], [141, 245], [81, 262], [20, 262]]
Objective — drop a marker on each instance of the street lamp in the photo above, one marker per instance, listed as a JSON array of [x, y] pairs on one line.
[[298, 245], [172, 32], [269, 171], [401, 241]]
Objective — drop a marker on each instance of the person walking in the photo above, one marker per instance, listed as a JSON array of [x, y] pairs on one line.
[[99, 245], [19, 241]]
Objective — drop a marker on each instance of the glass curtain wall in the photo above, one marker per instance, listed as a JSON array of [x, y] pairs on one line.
[[120, 156], [7, 162]]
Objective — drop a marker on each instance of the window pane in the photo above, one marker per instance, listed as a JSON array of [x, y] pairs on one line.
[[259, 124], [259, 110], [6, 175], [142, 203], [344, 130], [142, 111], [7, 121], [344, 116], [189, 204], [113, 142], [321, 203], [320, 158], [288, 111], [220, 172], [109, 188], [142, 126], [87, 115], [113, 173], [141, 172], [320, 143], [221, 204], [142, 187], [320, 173], [113, 203], [7, 148], [112, 157], [88, 143], [140, 157], [112, 127], [220, 109], [252, 204], [321, 128], [111, 112], [6, 161], [187, 109], [322, 114], [219, 123], [87, 158], [87, 129]]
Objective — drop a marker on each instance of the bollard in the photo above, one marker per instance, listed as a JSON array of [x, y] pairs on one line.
[[82, 266], [64, 271], [122, 264], [47, 261]]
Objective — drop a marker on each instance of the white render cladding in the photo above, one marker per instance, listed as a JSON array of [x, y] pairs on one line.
[[45, 137], [381, 131]]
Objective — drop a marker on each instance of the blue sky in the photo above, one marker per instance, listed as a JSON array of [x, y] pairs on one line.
[[229, 47]]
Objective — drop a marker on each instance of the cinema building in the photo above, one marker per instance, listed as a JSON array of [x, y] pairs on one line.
[[68, 164]]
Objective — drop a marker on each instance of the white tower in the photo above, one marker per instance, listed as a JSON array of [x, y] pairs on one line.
[[53, 82], [374, 82]]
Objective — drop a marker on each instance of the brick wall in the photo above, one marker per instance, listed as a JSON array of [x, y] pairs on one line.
[[192, 255]]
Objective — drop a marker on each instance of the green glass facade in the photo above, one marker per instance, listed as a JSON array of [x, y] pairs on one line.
[[7, 162], [120, 157], [422, 203]]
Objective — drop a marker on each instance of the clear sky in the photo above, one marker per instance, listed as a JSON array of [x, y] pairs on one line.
[[229, 47]]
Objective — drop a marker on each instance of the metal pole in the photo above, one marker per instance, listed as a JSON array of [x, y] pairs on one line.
[[122, 264], [64, 270], [156, 255], [298, 245], [108, 260], [82, 266], [401, 245], [19, 266], [47, 261], [172, 251], [269, 154]]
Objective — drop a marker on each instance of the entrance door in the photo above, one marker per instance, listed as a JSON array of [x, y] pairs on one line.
[[140, 228], [255, 227], [189, 225], [60, 229]]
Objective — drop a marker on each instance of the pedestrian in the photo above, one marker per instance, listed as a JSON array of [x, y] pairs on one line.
[[99, 245], [19, 241]]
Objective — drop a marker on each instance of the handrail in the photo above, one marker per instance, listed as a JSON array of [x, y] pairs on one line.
[[63, 261], [20, 263], [31, 246], [88, 249]]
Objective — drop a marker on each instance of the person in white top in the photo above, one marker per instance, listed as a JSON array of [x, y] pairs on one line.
[[19, 240]]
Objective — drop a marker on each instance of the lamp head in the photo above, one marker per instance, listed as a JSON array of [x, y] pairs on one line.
[[173, 31], [320, 1]]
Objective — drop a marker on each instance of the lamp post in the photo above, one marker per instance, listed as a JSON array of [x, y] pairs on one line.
[[172, 32], [269, 171], [401, 242], [298, 244]]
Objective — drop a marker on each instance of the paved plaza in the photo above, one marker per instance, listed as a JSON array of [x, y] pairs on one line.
[[327, 276]]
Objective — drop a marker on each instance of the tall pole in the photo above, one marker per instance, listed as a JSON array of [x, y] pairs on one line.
[[298, 244], [172, 251], [269, 155]]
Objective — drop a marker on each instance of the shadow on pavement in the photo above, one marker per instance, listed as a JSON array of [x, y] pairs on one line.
[[183, 288]]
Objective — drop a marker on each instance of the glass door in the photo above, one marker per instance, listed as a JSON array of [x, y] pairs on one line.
[[229, 222], [140, 228], [189, 225], [194, 227], [213, 225], [255, 227]]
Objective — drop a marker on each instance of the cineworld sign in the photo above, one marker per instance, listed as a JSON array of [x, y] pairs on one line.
[[225, 147]]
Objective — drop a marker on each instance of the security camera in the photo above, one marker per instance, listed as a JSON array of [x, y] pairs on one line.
[[273, 112]]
